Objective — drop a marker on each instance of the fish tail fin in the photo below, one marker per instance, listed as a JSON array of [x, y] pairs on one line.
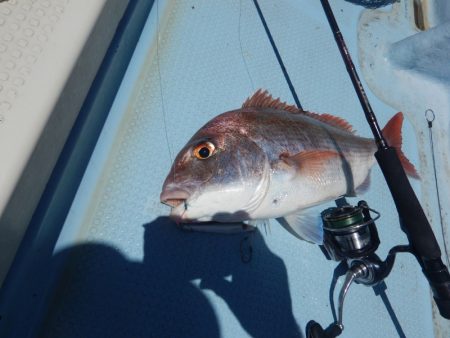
[[393, 134]]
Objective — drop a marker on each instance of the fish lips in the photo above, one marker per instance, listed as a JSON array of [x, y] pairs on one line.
[[174, 197]]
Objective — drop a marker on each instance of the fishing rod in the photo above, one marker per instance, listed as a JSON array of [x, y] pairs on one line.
[[350, 234]]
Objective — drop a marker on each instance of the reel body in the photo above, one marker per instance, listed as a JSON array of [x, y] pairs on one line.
[[351, 237]]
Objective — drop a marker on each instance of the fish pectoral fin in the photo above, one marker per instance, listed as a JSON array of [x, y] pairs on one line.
[[259, 223], [310, 162], [304, 225]]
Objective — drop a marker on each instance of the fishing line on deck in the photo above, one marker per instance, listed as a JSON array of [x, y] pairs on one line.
[[163, 108], [242, 51], [277, 54], [430, 117]]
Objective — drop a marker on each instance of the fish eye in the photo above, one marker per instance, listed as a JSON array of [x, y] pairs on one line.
[[204, 150]]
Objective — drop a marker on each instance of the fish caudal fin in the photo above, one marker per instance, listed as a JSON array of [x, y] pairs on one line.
[[393, 134]]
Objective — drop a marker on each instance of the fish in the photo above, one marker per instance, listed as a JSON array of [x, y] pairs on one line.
[[269, 159]]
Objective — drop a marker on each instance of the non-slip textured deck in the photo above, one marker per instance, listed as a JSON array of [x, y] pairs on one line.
[[131, 273]]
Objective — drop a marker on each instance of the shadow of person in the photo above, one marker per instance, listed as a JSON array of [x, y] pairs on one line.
[[257, 293], [102, 294]]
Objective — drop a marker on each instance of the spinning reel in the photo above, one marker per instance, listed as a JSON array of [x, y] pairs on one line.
[[351, 237]]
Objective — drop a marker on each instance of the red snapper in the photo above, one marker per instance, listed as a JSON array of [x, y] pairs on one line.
[[270, 160]]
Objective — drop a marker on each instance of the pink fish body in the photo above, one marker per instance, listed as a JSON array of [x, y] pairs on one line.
[[270, 160]]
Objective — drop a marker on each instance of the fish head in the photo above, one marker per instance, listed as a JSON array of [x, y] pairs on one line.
[[220, 175]]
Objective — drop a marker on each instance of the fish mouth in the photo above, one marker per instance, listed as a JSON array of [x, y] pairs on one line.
[[174, 198], [173, 202]]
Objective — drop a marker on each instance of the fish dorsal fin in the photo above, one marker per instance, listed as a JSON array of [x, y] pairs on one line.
[[335, 121], [262, 99]]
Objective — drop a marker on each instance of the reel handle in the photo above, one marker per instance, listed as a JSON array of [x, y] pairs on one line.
[[314, 330]]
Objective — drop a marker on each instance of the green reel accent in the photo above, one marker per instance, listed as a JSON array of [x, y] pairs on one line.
[[339, 218]]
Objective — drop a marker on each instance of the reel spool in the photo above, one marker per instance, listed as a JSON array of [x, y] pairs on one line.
[[350, 232]]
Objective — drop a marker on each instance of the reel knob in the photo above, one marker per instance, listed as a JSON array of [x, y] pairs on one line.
[[314, 330]]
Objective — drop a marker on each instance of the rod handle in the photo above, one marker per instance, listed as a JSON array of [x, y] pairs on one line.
[[412, 218]]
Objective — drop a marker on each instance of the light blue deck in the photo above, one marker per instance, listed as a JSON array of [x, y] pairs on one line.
[[131, 273]]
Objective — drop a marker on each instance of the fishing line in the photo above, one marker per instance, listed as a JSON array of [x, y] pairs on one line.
[[163, 107], [430, 117], [277, 54], [242, 51]]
